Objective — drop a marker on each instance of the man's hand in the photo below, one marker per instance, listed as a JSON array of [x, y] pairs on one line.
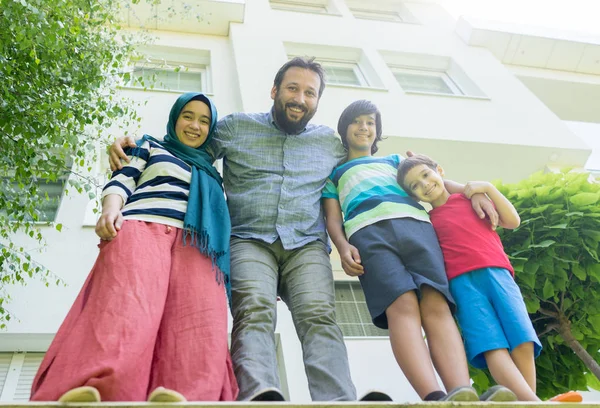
[[483, 206], [116, 153], [475, 187], [111, 220], [351, 261]]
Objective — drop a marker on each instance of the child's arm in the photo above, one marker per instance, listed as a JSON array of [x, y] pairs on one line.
[[117, 191], [111, 219], [508, 216], [348, 253], [481, 204]]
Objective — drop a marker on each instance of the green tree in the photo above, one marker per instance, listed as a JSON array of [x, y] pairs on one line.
[[60, 62], [555, 253]]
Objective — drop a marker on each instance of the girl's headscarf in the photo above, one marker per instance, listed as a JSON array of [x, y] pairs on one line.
[[206, 223]]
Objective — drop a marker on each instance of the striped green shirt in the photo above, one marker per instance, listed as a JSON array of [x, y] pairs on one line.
[[367, 190]]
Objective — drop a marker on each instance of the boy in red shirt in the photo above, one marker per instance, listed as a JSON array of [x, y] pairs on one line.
[[497, 331]]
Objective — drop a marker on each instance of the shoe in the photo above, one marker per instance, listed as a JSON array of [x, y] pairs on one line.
[[81, 394], [162, 394], [268, 395], [462, 394], [571, 396], [498, 393], [376, 396]]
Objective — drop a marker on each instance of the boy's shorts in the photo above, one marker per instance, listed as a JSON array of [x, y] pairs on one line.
[[398, 255], [491, 313]]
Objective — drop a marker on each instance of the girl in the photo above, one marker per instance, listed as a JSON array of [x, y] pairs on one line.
[[151, 320]]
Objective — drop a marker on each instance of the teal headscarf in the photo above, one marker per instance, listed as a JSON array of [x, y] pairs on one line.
[[206, 224]]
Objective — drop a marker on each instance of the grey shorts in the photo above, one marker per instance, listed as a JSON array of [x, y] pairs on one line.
[[399, 255]]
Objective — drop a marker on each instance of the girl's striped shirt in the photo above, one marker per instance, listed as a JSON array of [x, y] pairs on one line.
[[154, 186], [368, 192]]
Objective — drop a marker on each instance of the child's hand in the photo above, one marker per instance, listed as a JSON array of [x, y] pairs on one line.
[[474, 187], [351, 261], [109, 224]]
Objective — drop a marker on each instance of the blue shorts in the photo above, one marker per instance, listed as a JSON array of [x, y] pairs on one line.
[[399, 255], [491, 313]]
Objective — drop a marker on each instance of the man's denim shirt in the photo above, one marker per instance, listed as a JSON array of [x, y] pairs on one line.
[[273, 180]]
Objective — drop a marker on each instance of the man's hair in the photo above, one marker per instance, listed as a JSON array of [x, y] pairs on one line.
[[354, 110], [301, 62], [408, 164]]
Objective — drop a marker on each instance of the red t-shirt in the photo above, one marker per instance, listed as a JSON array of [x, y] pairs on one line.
[[468, 242]]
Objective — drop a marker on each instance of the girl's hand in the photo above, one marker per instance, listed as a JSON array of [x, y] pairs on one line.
[[109, 224]]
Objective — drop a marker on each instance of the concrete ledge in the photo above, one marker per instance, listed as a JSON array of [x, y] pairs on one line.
[[306, 405]]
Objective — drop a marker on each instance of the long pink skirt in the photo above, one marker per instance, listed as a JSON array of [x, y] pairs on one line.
[[150, 314]]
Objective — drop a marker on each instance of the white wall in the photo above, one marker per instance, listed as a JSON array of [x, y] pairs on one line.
[[508, 134]]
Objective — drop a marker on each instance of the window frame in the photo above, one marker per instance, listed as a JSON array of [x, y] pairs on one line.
[[361, 309], [20, 372], [169, 67], [433, 73], [299, 6], [368, 14], [355, 66]]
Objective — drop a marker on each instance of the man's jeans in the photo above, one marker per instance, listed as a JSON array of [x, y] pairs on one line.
[[303, 279]]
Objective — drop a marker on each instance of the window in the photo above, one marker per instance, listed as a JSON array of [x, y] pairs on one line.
[[367, 14], [343, 66], [381, 10], [343, 73], [351, 311], [49, 191], [175, 69], [426, 81], [169, 76], [302, 6], [17, 371], [430, 74]]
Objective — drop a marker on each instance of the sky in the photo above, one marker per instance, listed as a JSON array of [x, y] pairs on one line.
[[564, 15]]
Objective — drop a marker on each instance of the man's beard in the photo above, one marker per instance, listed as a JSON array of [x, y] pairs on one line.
[[288, 126]]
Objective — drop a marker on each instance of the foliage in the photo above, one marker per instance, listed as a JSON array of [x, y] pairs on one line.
[[555, 253], [60, 62]]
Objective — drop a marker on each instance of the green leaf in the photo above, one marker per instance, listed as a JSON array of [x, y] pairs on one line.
[[583, 199], [579, 272], [58, 227], [543, 244], [548, 290], [533, 305]]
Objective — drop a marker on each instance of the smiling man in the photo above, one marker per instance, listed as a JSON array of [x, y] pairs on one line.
[[275, 166]]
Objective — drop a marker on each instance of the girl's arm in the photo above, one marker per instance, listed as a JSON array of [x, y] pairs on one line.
[[111, 219], [335, 227], [508, 216]]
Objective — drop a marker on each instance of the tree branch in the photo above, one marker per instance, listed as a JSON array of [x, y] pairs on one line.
[[547, 312], [548, 329]]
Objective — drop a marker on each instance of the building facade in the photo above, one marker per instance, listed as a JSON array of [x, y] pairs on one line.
[[487, 101]]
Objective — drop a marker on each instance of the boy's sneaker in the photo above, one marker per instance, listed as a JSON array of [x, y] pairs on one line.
[[571, 396], [81, 394], [162, 394], [498, 393], [375, 396], [462, 394]]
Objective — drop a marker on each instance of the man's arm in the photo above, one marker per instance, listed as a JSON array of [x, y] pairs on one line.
[[116, 153], [508, 216], [479, 201], [348, 253]]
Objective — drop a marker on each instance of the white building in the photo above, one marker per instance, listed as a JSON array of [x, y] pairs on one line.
[[487, 101]]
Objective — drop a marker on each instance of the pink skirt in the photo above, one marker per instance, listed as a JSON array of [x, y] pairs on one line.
[[150, 314]]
